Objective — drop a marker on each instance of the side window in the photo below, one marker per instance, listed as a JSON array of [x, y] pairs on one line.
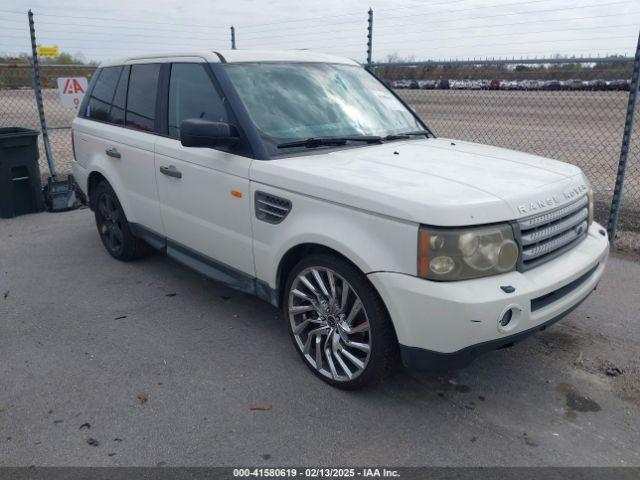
[[141, 97], [102, 95], [120, 98], [192, 94]]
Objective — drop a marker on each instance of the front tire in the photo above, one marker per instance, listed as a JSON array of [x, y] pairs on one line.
[[113, 227], [338, 323]]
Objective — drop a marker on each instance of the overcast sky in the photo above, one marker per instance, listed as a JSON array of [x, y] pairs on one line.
[[423, 29]]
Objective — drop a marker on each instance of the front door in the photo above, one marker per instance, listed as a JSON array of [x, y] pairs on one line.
[[204, 192]]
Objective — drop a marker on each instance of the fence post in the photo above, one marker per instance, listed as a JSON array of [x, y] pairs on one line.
[[233, 38], [39, 103], [624, 151], [369, 36]]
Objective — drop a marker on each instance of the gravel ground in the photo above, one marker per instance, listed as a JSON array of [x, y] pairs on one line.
[[105, 363]]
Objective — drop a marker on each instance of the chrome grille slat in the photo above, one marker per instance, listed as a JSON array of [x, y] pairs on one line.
[[542, 237], [553, 215], [556, 228], [272, 205], [270, 212], [549, 246]]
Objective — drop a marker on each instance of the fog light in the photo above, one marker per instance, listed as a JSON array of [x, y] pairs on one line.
[[506, 318]]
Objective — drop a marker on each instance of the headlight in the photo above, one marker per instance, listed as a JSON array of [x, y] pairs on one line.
[[591, 205], [463, 253]]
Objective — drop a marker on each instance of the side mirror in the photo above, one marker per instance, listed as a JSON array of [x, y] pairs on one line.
[[196, 132]]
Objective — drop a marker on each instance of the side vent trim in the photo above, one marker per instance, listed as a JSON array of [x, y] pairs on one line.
[[270, 208]]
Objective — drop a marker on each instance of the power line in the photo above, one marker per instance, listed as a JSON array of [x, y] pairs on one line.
[[505, 14], [194, 25], [440, 39], [110, 27], [378, 10], [90, 35], [136, 21], [446, 47], [481, 17], [456, 29]]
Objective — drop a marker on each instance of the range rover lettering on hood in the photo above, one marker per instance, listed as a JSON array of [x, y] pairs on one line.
[[553, 200]]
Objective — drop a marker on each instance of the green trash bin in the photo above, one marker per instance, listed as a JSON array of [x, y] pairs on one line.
[[20, 185]]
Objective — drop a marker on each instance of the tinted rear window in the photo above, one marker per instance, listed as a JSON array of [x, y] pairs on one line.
[[141, 98], [120, 98], [99, 105]]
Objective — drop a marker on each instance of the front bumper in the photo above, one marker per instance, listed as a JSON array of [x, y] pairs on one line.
[[446, 324]]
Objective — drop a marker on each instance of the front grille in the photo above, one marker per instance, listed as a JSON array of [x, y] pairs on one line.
[[543, 237]]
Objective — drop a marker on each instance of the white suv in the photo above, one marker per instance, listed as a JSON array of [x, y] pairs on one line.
[[301, 178]]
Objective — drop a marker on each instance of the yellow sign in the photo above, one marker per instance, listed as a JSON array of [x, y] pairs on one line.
[[52, 51]]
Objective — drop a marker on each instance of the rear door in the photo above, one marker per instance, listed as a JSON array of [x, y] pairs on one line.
[[118, 138], [206, 211], [137, 144]]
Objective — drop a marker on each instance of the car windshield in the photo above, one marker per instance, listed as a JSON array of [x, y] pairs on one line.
[[296, 101]]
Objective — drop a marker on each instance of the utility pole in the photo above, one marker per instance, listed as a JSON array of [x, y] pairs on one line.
[[38, 91], [624, 151], [233, 37]]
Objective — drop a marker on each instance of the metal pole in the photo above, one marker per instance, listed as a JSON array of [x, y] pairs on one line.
[[624, 151], [369, 36], [39, 103], [233, 38]]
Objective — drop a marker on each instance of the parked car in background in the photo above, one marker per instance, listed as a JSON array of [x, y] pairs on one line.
[[574, 84], [509, 85], [493, 85], [443, 84], [552, 85], [427, 84], [620, 85]]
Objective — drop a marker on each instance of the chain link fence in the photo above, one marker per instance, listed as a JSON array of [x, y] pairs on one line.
[[18, 107], [574, 113], [568, 112]]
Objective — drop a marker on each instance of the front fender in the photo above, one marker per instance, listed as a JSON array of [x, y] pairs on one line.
[[372, 242]]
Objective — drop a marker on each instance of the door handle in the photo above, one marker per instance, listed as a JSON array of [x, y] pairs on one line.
[[113, 152], [171, 171]]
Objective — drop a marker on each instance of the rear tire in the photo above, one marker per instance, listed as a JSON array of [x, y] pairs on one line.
[[346, 339], [113, 227]]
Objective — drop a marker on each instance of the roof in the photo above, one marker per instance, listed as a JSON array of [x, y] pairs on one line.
[[235, 56]]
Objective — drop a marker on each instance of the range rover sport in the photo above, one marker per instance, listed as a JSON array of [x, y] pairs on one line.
[[302, 179]]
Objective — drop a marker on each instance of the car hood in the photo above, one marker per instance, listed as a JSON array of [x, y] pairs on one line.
[[432, 181]]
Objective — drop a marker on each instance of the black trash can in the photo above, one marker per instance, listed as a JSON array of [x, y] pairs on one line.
[[20, 186]]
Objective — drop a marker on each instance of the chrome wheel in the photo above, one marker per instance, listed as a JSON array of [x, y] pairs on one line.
[[329, 324]]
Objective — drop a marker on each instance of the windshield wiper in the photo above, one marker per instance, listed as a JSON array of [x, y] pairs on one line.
[[324, 141], [405, 135]]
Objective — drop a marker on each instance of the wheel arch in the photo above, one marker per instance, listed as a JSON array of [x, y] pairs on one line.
[[95, 177], [298, 252]]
